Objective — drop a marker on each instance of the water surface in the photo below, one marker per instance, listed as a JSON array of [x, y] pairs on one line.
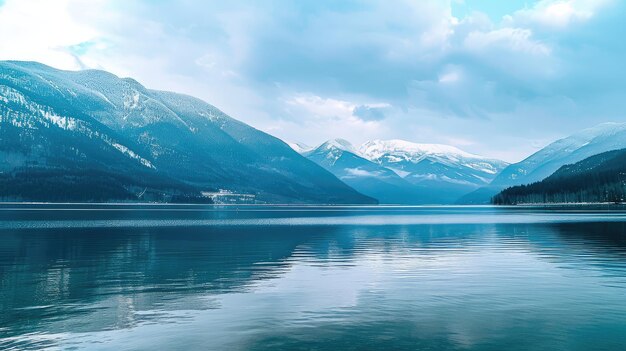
[[122, 277]]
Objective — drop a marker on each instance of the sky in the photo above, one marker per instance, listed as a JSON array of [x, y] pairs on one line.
[[492, 77]]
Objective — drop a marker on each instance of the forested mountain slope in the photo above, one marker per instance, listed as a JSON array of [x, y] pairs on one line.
[[599, 178], [91, 136]]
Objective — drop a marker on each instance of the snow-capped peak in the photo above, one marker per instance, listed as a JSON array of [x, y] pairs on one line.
[[607, 128], [377, 148], [299, 147], [407, 156], [576, 147], [340, 144]]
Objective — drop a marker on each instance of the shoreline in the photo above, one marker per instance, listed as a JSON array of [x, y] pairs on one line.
[[158, 204]]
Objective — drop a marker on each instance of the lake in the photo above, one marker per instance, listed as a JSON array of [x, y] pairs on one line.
[[157, 277]]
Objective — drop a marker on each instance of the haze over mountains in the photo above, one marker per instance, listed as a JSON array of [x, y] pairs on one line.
[[92, 136]]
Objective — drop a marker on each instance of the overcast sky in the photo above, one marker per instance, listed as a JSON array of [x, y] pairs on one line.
[[497, 78]]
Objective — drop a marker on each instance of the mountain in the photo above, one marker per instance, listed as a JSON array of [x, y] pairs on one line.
[[92, 136], [599, 178], [586, 143], [443, 173], [342, 159], [299, 147], [397, 171]]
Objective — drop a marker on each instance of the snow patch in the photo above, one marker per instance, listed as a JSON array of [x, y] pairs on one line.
[[130, 153], [358, 172], [299, 147], [131, 101], [399, 172], [66, 123]]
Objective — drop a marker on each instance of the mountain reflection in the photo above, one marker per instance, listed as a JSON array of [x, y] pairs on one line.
[[62, 271], [359, 279]]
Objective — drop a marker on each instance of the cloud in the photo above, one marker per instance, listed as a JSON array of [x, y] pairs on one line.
[[42, 30], [322, 107], [329, 108], [315, 70], [369, 113], [559, 13], [507, 39]]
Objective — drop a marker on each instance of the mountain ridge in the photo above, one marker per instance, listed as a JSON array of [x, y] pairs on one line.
[[70, 121], [431, 173], [538, 166], [598, 178], [340, 158]]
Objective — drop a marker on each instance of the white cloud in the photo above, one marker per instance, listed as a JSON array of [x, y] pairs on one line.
[[329, 108], [311, 119], [449, 77], [42, 30], [322, 107], [559, 13], [514, 39]]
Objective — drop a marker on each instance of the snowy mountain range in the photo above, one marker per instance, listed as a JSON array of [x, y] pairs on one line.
[[432, 162], [445, 174], [419, 173], [601, 138], [91, 136], [344, 161]]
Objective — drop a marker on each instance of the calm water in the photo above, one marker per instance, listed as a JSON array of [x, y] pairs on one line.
[[285, 278]]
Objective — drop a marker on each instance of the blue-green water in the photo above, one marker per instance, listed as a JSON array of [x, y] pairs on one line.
[[311, 278]]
